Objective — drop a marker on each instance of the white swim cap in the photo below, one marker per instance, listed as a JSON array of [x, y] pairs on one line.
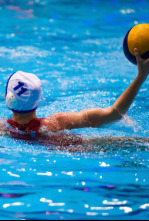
[[23, 92]]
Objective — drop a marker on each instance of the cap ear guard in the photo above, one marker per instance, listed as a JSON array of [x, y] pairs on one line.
[[11, 101], [9, 96]]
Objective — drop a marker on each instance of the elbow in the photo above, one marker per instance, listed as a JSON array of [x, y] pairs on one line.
[[116, 115]]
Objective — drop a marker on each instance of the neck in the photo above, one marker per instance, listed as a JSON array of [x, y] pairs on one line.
[[23, 118]]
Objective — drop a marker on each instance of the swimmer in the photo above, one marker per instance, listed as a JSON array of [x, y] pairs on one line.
[[23, 92]]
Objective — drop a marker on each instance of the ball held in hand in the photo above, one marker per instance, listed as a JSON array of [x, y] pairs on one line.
[[136, 37]]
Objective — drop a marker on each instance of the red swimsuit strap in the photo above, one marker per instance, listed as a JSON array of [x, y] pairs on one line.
[[33, 125]]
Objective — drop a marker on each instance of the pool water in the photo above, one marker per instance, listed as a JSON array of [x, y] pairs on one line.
[[75, 48]]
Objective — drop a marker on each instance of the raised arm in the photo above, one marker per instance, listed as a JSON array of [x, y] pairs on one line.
[[97, 116], [125, 100]]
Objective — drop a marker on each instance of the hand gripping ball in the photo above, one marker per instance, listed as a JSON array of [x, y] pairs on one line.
[[137, 37]]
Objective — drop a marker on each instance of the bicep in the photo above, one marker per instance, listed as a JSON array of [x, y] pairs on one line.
[[100, 116], [76, 120], [93, 117]]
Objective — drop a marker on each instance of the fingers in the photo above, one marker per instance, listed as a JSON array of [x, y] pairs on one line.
[[137, 55]]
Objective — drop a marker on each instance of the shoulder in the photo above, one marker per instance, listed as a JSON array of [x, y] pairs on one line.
[[54, 122]]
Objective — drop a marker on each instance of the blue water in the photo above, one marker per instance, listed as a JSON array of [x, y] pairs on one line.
[[75, 48]]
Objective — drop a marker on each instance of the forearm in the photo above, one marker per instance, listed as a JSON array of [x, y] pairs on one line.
[[125, 100]]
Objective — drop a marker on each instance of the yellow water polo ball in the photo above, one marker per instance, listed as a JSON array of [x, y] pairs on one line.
[[136, 37]]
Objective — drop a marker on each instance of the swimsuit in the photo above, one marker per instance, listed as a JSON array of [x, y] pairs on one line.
[[33, 125], [30, 132]]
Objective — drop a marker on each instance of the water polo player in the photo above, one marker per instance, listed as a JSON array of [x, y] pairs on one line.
[[23, 92]]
